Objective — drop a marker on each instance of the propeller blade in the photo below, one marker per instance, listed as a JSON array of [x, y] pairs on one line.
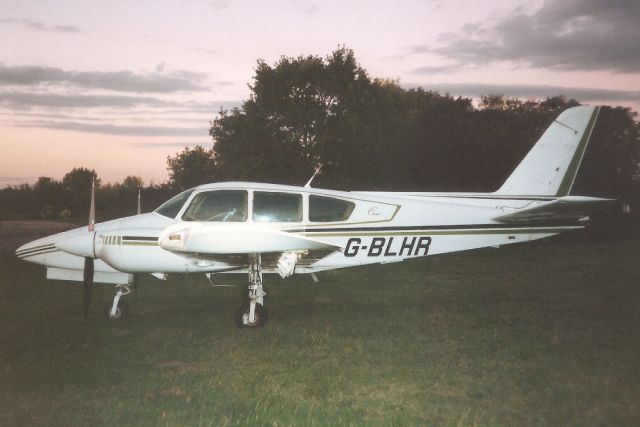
[[92, 208], [87, 285], [134, 280]]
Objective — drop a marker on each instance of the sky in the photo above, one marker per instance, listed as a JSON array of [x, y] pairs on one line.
[[117, 86]]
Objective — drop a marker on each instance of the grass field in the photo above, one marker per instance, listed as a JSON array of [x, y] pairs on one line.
[[538, 334]]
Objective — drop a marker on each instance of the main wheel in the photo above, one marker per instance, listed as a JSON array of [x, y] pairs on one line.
[[259, 314], [122, 311]]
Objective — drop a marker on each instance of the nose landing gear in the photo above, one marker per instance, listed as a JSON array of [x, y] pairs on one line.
[[252, 314], [118, 310]]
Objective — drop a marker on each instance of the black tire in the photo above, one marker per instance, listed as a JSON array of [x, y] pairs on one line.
[[122, 311], [242, 316]]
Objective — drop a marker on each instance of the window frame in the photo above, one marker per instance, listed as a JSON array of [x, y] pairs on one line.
[[351, 202], [187, 205], [186, 202], [302, 204]]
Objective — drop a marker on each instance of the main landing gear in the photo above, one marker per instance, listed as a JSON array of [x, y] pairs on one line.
[[252, 313], [118, 310]]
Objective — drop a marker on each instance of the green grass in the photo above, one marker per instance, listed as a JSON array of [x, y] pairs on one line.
[[538, 334]]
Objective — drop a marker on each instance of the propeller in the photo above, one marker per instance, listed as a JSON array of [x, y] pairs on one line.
[[88, 282], [134, 279], [88, 261]]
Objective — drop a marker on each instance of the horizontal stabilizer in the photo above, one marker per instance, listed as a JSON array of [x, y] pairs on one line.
[[563, 209], [227, 239]]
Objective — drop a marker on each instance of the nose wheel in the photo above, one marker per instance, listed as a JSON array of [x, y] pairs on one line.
[[243, 316], [252, 313], [117, 309]]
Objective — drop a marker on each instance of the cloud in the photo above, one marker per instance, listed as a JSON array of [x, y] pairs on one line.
[[220, 4], [123, 80], [437, 69], [154, 145], [40, 26], [21, 101], [109, 129], [563, 35], [532, 91], [310, 9], [28, 100]]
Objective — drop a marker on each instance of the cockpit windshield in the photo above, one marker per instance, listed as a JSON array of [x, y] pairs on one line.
[[171, 207], [219, 206]]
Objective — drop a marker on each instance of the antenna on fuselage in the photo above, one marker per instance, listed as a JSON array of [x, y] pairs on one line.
[[308, 184]]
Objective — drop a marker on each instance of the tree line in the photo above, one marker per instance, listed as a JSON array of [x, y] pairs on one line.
[[367, 134], [69, 198]]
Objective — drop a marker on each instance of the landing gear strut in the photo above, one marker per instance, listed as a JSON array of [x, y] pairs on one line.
[[252, 314], [118, 310]]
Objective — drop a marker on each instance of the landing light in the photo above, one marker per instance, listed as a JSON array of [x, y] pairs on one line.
[[174, 240]]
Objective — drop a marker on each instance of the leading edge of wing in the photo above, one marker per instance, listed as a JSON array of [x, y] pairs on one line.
[[234, 239], [562, 209]]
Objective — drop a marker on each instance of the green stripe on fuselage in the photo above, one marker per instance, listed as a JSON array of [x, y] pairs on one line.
[[444, 232], [139, 243]]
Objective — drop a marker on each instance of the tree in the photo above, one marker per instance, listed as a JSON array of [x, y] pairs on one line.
[[48, 194], [77, 184], [302, 112], [191, 167], [132, 182], [79, 180], [611, 159]]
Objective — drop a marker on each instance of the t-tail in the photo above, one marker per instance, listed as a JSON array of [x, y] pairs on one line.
[[550, 168]]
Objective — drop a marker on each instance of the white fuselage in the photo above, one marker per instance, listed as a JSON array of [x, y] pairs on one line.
[[380, 228]]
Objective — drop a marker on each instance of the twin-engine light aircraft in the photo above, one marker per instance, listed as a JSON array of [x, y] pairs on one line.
[[255, 228]]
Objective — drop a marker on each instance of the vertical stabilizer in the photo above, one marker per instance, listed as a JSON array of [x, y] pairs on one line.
[[550, 168]]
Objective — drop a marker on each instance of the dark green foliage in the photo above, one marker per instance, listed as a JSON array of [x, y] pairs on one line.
[[51, 199], [610, 161], [191, 167], [77, 185], [301, 112]]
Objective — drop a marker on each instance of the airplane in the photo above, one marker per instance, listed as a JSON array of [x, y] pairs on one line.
[[253, 228]]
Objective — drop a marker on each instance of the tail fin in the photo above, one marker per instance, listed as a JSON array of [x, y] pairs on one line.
[[551, 166]]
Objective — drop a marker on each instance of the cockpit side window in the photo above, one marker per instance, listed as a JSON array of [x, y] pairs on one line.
[[328, 209], [218, 206], [171, 207], [277, 207]]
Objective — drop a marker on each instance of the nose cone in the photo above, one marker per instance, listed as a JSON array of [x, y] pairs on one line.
[[37, 247], [80, 244]]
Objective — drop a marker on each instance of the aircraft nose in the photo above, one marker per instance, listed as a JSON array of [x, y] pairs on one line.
[[37, 247]]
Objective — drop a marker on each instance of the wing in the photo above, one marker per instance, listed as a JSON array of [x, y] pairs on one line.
[[570, 208], [218, 239]]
